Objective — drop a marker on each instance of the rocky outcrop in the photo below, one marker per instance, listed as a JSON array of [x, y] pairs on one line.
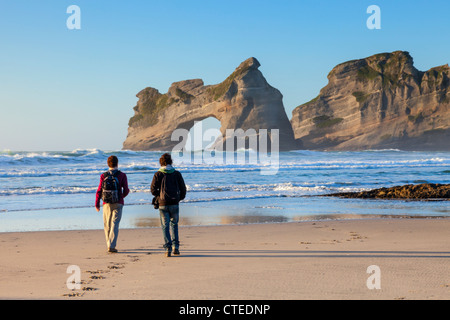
[[378, 102], [410, 191], [243, 101]]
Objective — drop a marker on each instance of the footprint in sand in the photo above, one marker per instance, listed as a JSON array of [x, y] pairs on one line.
[[355, 236], [133, 258], [88, 289], [97, 271], [116, 266], [73, 294]]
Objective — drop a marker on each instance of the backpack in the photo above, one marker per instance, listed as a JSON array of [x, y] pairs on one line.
[[170, 192], [110, 187]]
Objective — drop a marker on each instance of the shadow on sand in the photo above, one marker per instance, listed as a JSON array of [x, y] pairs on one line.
[[204, 253]]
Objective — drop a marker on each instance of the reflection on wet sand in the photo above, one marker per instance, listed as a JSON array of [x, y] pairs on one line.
[[146, 222], [358, 216], [268, 211], [251, 219], [334, 217]]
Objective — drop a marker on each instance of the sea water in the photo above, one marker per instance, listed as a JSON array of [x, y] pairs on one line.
[[56, 190]]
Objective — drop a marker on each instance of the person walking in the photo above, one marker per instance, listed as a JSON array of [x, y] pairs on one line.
[[169, 188], [112, 190]]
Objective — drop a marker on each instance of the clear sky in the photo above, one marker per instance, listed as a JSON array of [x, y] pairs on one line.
[[63, 89]]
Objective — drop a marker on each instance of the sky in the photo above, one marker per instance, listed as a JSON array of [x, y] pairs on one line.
[[63, 89]]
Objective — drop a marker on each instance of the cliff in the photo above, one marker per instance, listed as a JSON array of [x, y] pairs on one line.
[[378, 102], [244, 100]]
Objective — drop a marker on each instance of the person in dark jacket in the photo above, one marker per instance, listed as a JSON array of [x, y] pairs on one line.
[[169, 188]]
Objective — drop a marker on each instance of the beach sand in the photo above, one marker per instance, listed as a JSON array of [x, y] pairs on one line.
[[325, 259]]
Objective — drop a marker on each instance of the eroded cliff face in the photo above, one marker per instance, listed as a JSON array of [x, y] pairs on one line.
[[378, 102], [243, 101]]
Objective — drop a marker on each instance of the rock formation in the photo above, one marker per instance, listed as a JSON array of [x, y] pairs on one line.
[[244, 100], [378, 102], [410, 191]]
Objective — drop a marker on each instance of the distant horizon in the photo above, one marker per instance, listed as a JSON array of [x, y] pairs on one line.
[[65, 89], [4, 151]]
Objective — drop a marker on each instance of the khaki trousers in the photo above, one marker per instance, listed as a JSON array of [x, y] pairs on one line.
[[112, 213]]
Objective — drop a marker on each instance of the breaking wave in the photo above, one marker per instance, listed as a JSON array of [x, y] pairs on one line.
[[29, 179]]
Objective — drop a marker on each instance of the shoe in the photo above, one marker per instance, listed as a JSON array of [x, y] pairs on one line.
[[112, 250], [176, 252], [168, 253]]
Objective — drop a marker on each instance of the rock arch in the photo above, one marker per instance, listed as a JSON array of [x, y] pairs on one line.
[[199, 135], [243, 101]]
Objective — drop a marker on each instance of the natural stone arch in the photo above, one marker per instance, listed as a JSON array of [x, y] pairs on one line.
[[243, 101], [194, 131]]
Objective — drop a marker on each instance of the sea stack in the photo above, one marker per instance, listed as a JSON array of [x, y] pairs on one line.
[[379, 102], [245, 100]]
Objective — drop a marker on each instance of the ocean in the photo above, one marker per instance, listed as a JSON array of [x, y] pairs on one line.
[[56, 190]]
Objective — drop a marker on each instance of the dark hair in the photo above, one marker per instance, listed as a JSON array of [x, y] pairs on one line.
[[113, 161], [165, 159]]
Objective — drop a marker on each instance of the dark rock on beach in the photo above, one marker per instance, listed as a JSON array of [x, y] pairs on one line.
[[410, 191]]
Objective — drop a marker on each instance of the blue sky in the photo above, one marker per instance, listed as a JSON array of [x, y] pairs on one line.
[[64, 89]]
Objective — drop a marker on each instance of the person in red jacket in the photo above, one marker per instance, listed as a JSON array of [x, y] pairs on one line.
[[112, 211]]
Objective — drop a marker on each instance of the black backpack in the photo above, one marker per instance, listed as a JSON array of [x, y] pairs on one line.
[[110, 187], [170, 192]]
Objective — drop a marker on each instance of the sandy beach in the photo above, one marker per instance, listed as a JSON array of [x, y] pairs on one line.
[[298, 260]]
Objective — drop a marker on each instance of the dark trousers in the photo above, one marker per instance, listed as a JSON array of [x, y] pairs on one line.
[[169, 216]]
